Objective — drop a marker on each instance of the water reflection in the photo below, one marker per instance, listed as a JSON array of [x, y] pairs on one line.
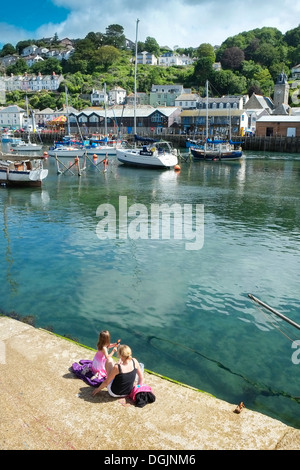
[[175, 307]]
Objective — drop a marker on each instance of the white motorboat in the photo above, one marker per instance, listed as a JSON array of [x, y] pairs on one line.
[[104, 148], [21, 170], [26, 146], [66, 151], [157, 155]]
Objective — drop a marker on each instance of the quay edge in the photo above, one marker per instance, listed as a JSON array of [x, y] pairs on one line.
[[281, 144], [44, 406]]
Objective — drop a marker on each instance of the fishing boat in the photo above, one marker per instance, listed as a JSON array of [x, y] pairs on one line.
[[217, 149], [21, 170], [156, 155]]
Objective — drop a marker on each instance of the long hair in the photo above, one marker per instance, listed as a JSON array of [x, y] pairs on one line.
[[103, 340]]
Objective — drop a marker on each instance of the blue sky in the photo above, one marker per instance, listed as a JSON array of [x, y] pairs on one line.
[[180, 23]]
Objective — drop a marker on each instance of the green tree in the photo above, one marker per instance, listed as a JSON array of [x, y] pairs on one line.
[[206, 50], [228, 83], [47, 67], [108, 55], [114, 36], [7, 49], [151, 45], [18, 68]]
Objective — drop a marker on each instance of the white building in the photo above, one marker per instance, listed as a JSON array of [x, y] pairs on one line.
[[29, 82], [98, 97], [117, 95], [12, 117], [146, 58], [187, 101], [169, 59]]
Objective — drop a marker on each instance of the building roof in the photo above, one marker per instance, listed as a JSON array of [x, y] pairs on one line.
[[279, 118], [212, 112], [187, 97], [259, 102]]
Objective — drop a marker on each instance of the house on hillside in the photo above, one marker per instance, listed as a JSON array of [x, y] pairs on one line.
[[165, 95], [117, 95], [170, 58], [146, 58], [295, 72], [29, 50], [187, 101], [141, 99]]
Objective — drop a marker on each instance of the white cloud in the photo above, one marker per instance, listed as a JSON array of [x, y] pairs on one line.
[[171, 22]]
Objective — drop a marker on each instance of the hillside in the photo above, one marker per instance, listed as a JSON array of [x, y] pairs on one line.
[[250, 62]]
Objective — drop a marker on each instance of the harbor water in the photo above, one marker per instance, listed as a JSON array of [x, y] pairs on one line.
[[181, 303]]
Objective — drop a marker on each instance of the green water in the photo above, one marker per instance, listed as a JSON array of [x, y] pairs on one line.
[[185, 313]]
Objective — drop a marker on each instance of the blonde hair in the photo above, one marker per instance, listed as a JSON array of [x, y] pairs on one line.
[[125, 351]]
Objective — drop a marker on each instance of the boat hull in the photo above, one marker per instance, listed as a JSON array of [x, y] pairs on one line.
[[145, 159], [102, 151], [200, 154], [66, 153], [27, 148], [22, 178]]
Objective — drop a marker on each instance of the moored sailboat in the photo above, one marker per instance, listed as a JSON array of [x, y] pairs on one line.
[[215, 149], [158, 155]]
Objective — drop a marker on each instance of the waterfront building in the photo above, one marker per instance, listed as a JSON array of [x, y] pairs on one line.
[[12, 117], [281, 91], [278, 126], [121, 119], [221, 122], [187, 101]]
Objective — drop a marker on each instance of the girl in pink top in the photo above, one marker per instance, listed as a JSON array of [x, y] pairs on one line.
[[100, 358]]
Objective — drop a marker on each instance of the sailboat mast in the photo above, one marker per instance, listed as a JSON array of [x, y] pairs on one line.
[[135, 73], [206, 110], [67, 109], [105, 115]]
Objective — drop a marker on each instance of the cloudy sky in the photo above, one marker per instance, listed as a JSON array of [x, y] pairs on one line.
[[182, 23]]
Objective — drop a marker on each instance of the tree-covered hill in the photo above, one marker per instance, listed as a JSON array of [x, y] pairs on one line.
[[250, 62]]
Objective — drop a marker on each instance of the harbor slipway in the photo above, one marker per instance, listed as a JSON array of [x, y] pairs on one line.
[[44, 406]]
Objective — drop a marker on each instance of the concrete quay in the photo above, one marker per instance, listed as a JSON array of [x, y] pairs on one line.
[[44, 406]]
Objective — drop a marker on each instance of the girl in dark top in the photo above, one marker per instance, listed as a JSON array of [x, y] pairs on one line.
[[121, 375]]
